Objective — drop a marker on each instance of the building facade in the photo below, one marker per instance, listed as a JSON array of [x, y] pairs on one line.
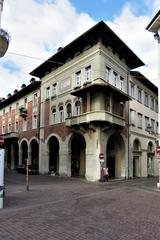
[[143, 126], [19, 125], [87, 107]]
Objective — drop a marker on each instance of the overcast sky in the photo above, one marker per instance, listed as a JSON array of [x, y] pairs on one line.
[[39, 27]]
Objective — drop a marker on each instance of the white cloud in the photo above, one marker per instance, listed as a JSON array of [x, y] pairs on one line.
[[132, 30], [37, 30]]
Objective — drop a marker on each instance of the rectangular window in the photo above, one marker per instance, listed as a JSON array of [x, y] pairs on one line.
[[121, 83], [152, 103], [78, 78], [24, 124], [139, 120], [16, 127], [17, 108], [54, 89], [25, 103], [3, 130], [10, 111], [35, 100], [88, 74], [157, 128], [34, 123], [139, 95], [146, 122], [132, 117], [54, 116], [47, 92], [156, 106], [9, 127], [153, 125], [132, 89], [107, 73], [115, 79], [146, 100]]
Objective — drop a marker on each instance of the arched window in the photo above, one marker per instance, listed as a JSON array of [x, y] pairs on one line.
[[77, 108], [61, 114], [69, 110], [136, 145], [54, 115]]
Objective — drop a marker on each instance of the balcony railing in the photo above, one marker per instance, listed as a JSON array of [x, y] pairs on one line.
[[96, 116]]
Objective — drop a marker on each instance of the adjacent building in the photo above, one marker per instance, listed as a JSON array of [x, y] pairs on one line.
[[19, 125], [88, 102]]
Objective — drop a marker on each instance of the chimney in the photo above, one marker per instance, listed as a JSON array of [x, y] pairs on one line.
[[23, 86], [15, 91], [9, 95], [32, 80]]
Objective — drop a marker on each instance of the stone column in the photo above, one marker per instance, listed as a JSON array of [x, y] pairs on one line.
[[20, 157], [12, 157]]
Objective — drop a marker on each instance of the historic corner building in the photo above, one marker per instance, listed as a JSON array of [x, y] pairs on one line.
[[87, 102]]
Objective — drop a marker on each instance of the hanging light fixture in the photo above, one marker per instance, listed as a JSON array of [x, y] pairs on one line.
[[4, 36]]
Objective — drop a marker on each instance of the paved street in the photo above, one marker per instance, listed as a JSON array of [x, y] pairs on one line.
[[64, 208]]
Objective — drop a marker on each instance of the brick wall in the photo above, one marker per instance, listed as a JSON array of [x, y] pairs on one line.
[[59, 129], [28, 134], [6, 122], [47, 111], [13, 120], [29, 115]]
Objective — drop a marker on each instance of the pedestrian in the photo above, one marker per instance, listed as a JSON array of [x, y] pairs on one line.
[[105, 174]]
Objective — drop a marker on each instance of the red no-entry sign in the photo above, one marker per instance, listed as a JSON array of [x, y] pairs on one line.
[[101, 157]]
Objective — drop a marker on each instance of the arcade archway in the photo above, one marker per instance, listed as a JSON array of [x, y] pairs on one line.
[[53, 147], [34, 146], [115, 154], [24, 151], [136, 158], [78, 156]]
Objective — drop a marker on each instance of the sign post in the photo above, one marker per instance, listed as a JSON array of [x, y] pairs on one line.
[[158, 159], [27, 182], [101, 160], [1, 177]]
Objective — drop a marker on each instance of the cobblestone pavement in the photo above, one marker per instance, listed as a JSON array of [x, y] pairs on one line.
[[73, 209]]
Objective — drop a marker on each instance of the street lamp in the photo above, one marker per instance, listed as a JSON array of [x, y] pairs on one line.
[[4, 36]]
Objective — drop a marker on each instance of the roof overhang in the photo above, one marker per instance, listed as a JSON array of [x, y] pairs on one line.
[[100, 32], [154, 24], [24, 91], [144, 81]]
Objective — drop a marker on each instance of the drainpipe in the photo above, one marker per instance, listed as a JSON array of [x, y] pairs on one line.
[[128, 124]]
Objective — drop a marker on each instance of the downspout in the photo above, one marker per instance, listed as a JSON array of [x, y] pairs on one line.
[[128, 124]]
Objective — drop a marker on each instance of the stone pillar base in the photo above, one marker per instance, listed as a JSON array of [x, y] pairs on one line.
[[158, 185]]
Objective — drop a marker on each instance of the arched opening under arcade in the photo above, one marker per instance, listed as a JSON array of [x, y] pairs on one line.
[[53, 147], [115, 156], [34, 147], [78, 155], [24, 151], [136, 158]]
